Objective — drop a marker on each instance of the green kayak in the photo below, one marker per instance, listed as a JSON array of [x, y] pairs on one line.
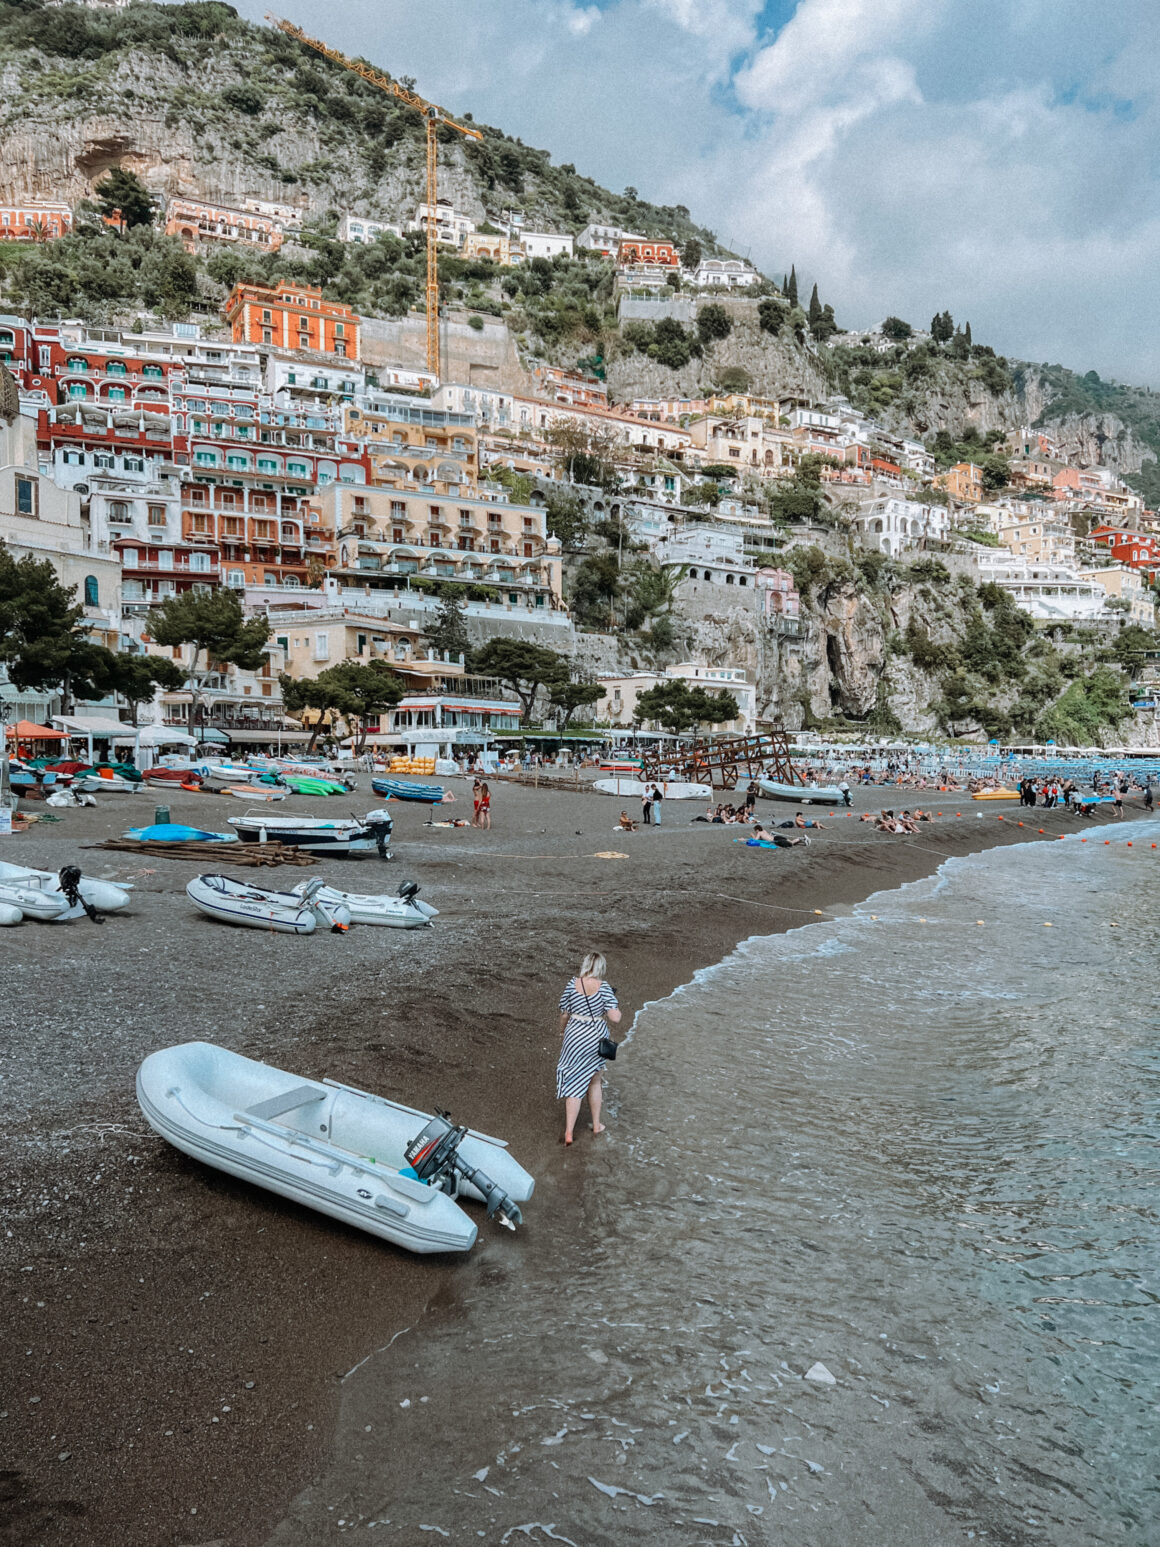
[[306, 786]]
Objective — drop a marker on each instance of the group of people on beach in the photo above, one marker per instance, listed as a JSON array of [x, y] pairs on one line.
[[903, 822]]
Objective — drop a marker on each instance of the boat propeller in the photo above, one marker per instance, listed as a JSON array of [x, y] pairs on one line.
[[433, 1155]]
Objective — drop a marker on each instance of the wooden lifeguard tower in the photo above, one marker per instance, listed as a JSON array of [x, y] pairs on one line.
[[720, 762]]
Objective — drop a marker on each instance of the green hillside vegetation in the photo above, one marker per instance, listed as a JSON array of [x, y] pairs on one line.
[[240, 86]]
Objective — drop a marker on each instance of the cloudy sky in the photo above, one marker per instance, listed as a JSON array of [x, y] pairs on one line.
[[1000, 158]]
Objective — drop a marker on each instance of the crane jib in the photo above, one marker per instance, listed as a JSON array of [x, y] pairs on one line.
[[435, 117]]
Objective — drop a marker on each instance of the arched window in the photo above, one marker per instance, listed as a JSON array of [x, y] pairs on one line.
[[92, 594], [692, 574]]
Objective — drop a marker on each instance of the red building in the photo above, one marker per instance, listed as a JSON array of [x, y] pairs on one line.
[[1138, 550], [292, 316]]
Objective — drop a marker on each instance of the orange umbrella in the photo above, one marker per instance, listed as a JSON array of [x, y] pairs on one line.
[[25, 730]]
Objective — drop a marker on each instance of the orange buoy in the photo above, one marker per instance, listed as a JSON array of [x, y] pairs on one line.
[[1043, 829]]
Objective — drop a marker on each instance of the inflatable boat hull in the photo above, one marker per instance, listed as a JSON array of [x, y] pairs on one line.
[[328, 1146]]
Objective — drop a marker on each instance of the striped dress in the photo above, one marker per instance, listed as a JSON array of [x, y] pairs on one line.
[[579, 1060]]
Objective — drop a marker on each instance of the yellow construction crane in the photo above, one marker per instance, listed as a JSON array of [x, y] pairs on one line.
[[434, 116]]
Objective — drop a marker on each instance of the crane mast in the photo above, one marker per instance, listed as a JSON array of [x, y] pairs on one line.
[[434, 116]]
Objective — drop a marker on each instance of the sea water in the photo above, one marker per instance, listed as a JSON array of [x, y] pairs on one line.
[[870, 1254]]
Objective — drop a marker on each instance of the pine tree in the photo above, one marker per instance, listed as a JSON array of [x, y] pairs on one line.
[[815, 309], [942, 327], [791, 286]]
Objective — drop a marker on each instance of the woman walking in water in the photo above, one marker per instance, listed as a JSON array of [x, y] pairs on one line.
[[585, 1006]]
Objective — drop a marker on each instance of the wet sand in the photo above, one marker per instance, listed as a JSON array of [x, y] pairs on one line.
[[175, 1339]]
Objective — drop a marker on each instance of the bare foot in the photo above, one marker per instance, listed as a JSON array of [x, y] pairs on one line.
[[596, 1129], [567, 1139]]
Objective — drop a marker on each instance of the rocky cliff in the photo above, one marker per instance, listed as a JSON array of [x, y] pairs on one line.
[[198, 102]]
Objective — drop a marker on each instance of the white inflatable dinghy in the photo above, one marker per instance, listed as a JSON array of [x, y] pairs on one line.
[[402, 911], [10, 914], [105, 896], [36, 903], [384, 1168], [258, 907]]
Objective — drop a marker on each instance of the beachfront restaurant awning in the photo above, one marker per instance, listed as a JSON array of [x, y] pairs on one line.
[[211, 733], [96, 730], [271, 733]]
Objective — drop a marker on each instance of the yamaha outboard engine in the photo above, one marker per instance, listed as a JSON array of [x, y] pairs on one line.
[[434, 1157], [382, 824], [407, 890]]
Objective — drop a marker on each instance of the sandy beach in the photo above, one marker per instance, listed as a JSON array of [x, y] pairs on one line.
[[175, 1340]]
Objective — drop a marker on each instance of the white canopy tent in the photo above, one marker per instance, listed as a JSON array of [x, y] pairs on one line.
[[164, 736], [112, 731]]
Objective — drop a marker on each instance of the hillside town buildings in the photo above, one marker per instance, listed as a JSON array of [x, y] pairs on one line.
[[344, 501]]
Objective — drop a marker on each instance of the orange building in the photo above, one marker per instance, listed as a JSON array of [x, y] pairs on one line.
[[963, 482], [638, 249], [292, 316], [36, 221]]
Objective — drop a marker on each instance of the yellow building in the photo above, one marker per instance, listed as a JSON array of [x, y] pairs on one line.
[[1130, 587], [488, 244], [312, 640], [385, 536], [410, 442]]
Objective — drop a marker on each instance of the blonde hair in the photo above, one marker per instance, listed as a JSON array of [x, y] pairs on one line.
[[593, 966]]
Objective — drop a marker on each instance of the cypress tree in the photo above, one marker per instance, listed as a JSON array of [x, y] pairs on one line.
[[791, 285], [967, 334], [785, 284], [815, 311]]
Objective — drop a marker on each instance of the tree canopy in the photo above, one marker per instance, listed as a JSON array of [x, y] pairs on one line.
[[44, 639], [523, 667], [137, 678], [678, 707], [449, 630], [121, 194], [350, 689], [214, 624]]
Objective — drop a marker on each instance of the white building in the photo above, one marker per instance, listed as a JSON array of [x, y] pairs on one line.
[[289, 378], [709, 554], [724, 274], [602, 239], [361, 231], [542, 244], [451, 225], [1050, 593], [893, 525], [618, 705]]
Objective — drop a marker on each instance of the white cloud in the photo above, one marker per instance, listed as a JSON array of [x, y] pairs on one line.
[[996, 158]]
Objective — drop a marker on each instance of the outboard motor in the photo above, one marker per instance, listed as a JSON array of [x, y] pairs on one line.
[[382, 824], [434, 1157], [407, 890]]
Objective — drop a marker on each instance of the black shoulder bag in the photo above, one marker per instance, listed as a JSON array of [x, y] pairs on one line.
[[606, 1048]]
